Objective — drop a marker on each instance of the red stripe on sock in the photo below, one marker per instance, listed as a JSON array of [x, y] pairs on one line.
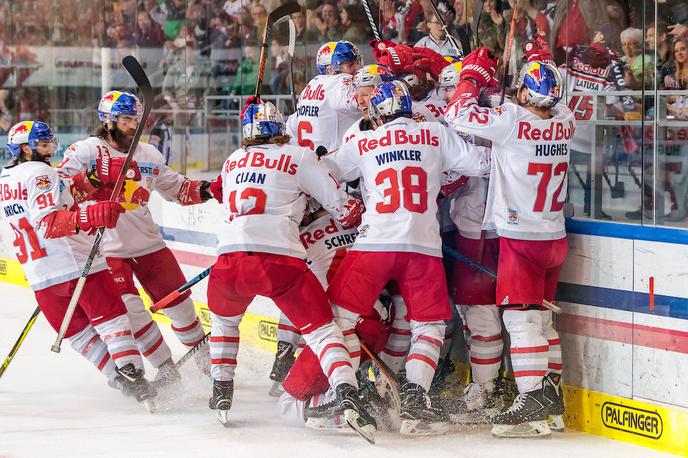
[[555, 366], [348, 332], [486, 361], [223, 361], [355, 354], [336, 365], [423, 358], [284, 327], [553, 342], [540, 349], [487, 338], [124, 353], [186, 328], [431, 340], [143, 330], [224, 339], [104, 361], [394, 353], [332, 345], [530, 373], [90, 344], [401, 332], [114, 335], [154, 347]]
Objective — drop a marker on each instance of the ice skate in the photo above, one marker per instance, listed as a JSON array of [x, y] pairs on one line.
[[480, 401], [324, 412], [527, 417], [284, 359], [382, 398], [441, 381], [554, 399], [167, 377], [202, 359], [356, 416], [222, 400], [133, 383], [418, 416]]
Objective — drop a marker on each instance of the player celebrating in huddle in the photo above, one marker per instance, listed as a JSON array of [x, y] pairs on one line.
[[530, 158], [145, 254], [265, 184], [53, 243], [401, 165]]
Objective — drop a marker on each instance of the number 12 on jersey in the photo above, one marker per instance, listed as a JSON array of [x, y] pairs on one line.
[[546, 172], [247, 194]]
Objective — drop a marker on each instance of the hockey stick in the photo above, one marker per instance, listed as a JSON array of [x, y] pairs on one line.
[[391, 379], [134, 69], [506, 57], [19, 341], [187, 356], [486, 270], [274, 16], [452, 41], [290, 50], [476, 22], [371, 21], [165, 301]]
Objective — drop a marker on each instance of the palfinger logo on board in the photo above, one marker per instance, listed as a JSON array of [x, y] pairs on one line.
[[267, 330], [632, 420]]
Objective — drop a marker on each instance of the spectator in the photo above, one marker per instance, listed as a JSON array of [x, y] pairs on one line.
[[492, 28], [354, 28], [574, 22], [530, 21], [638, 65], [259, 16], [327, 23], [232, 7], [158, 13], [184, 78], [463, 15], [303, 35], [674, 74], [656, 40], [247, 75], [247, 31], [176, 13], [436, 38], [148, 33]]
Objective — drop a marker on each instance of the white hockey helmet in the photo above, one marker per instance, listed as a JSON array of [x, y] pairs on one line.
[[324, 57], [449, 77]]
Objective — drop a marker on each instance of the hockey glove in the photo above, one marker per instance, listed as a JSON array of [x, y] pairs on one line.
[[216, 188], [108, 169], [193, 192], [396, 58], [429, 61], [380, 45], [350, 213], [537, 50], [100, 214], [480, 66]]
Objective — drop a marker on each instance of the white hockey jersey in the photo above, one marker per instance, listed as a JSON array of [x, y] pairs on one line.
[[326, 243], [434, 103], [325, 110], [467, 208], [400, 165], [136, 233], [264, 192], [530, 159], [28, 193]]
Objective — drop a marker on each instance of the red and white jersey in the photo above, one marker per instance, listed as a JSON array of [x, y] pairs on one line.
[[434, 103], [326, 243], [467, 208], [136, 233], [264, 190], [325, 110], [530, 160], [581, 77], [29, 192], [401, 167]]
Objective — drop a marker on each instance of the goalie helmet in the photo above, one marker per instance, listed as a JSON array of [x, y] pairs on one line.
[[324, 57], [29, 133], [116, 103], [449, 77], [344, 51], [390, 99], [261, 120], [542, 82], [372, 75]]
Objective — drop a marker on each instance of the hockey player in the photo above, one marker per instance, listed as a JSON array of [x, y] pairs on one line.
[[326, 106], [401, 164], [264, 190], [530, 147], [136, 247], [53, 242]]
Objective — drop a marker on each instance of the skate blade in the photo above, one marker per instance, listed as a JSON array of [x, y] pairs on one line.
[[556, 423], [367, 431], [223, 417], [276, 390], [150, 405], [420, 428], [528, 429], [337, 423]]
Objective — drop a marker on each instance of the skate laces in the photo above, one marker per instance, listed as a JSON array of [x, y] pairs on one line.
[[519, 403]]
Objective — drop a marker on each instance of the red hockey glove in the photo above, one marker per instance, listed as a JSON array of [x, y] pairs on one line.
[[108, 169], [396, 58], [216, 188], [598, 56], [429, 61], [537, 50], [100, 214], [480, 66], [379, 46], [60, 223], [193, 192], [350, 213]]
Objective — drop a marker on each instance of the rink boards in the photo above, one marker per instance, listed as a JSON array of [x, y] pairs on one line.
[[624, 326]]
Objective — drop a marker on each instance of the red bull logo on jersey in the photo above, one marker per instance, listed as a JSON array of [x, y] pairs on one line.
[[556, 131], [398, 137], [309, 93], [17, 192], [311, 237], [259, 160], [43, 183]]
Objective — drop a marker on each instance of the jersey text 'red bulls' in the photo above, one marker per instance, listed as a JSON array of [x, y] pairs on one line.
[[311, 237], [310, 93], [16, 193], [555, 132], [257, 159], [398, 137]]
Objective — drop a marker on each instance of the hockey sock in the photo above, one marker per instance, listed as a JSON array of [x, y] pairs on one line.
[[224, 346], [449, 330], [466, 330], [399, 341], [185, 323], [287, 332], [485, 328], [88, 343], [116, 333], [554, 354], [426, 342], [529, 348], [328, 343], [146, 331]]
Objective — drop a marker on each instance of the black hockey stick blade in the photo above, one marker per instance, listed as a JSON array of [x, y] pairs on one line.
[[138, 74]]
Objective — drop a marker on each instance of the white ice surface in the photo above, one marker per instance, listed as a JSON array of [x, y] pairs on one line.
[[59, 405]]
